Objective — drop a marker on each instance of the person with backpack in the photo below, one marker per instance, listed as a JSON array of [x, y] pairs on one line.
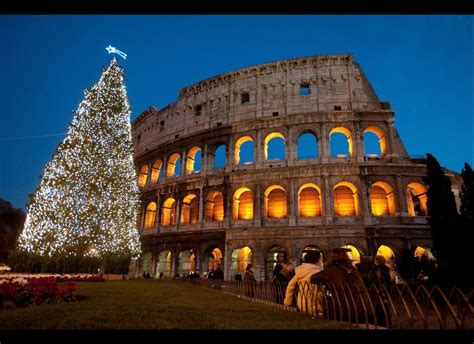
[[345, 296], [379, 284]]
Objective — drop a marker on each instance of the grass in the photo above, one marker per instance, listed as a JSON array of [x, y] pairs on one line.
[[150, 304]]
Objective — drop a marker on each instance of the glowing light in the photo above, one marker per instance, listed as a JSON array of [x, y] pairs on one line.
[[190, 159], [168, 211], [275, 135], [388, 254], [345, 199], [347, 133], [275, 202], [243, 204], [190, 209], [238, 144], [309, 200], [150, 215], [382, 200], [417, 199], [354, 255], [215, 207], [113, 50]]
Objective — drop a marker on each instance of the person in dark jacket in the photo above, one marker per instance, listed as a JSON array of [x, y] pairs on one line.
[[279, 282], [364, 267], [250, 281], [378, 278], [218, 274], [343, 283]]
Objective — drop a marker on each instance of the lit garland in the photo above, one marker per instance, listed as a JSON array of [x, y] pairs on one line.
[[88, 198]]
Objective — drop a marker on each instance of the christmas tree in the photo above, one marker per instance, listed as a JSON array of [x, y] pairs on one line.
[[87, 201]]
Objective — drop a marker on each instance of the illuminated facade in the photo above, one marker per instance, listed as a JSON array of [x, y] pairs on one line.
[[215, 205]]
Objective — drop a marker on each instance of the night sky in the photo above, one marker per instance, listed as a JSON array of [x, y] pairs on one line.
[[422, 65]]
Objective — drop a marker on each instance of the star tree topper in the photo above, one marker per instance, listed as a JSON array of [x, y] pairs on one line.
[[112, 50]]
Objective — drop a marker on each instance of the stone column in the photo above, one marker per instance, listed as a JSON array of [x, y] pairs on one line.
[[158, 212], [201, 208], [293, 201], [183, 163], [357, 143], [257, 206], [164, 168], [153, 265], [290, 147], [178, 212], [324, 141], [364, 201], [258, 150], [391, 142], [402, 207], [259, 100], [230, 155], [328, 200], [204, 160]]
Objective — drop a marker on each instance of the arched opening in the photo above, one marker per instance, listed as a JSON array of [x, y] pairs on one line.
[[150, 215], [220, 157], [275, 202], [190, 209], [424, 251], [354, 254], [174, 165], [163, 265], [168, 212], [382, 199], [215, 207], [312, 248], [145, 264], [309, 200], [417, 199], [243, 204], [213, 259], [194, 160], [142, 176], [340, 142], [244, 150], [307, 146], [346, 202], [156, 171], [240, 258], [186, 262], [276, 254], [375, 142], [274, 147], [388, 254]]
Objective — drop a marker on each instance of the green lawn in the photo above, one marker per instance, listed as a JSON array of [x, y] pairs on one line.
[[150, 304]]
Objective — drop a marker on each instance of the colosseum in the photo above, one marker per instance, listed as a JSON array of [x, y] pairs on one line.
[[241, 168]]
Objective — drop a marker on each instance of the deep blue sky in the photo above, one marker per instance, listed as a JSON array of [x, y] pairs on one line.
[[422, 65]]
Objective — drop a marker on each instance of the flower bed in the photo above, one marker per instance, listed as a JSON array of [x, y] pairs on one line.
[[20, 292], [57, 277]]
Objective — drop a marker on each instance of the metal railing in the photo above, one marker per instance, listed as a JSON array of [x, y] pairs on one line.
[[399, 307]]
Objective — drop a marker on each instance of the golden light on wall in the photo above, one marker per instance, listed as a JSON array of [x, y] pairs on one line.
[[190, 159], [275, 202], [419, 252], [170, 168], [417, 199], [347, 133], [309, 200], [381, 135], [168, 212], [150, 215], [267, 141], [354, 255], [346, 202], [424, 251], [143, 175], [243, 204], [190, 209], [155, 171], [238, 144], [388, 254], [215, 258], [187, 262], [240, 259], [215, 206], [382, 199], [164, 263]]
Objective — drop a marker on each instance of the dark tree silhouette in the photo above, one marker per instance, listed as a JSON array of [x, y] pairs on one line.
[[11, 225]]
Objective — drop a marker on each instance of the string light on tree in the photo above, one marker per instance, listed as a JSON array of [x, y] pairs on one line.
[[88, 198]]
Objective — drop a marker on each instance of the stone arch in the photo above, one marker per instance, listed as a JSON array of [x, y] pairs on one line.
[[143, 176], [275, 202], [309, 200], [174, 165], [274, 136], [243, 204], [145, 263], [307, 141], [194, 155], [421, 251], [150, 215], [156, 171], [238, 145], [163, 264], [186, 262], [382, 199], [347, 133], [346, 200], [168, 212], [220, 156], [311, 247], [241, 256], [380, 133], [190, 209], [417, 198], [274, 254], [389, 254], [215, 206], [212, 258], [354, 254]]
